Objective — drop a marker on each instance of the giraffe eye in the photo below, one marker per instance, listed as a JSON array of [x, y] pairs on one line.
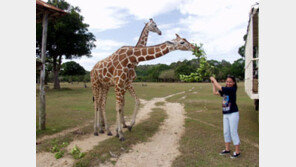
[[182, 42]]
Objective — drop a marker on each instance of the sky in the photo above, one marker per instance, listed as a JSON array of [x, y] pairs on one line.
[[218, 24]]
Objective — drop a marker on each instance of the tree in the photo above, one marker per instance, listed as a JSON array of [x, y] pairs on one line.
[[72, 68], [168, 75], [241, 50], [205, 69], [67, 36], [185, 68], [238, 68]]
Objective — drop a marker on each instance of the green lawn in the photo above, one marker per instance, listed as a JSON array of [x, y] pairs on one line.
[[203, 138], [72, 105]]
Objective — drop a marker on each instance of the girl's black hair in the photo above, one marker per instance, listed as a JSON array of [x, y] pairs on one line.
[[233, 79]]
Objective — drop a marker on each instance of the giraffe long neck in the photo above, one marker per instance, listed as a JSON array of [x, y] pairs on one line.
[[153, 52], [142, 42]]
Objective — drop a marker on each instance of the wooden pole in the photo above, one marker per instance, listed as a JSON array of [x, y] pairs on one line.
[[42, 111]]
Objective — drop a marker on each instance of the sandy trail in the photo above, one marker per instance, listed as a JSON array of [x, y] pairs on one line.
[[162, 148], [62, 133], [45, 159]]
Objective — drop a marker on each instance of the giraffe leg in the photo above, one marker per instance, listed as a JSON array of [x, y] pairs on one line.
[[104, 99], [95, 121], [137, 104], [96, 93], [122, 114], [100, 114], [102, 121], [119, 106]]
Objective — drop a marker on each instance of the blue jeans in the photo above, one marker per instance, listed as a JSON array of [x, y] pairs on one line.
[[230, 126]]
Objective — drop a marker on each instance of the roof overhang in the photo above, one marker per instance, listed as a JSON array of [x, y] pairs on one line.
[[42, 7]]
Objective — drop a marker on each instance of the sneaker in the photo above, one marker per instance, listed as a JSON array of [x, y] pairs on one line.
[[224, 152], [235, 155]]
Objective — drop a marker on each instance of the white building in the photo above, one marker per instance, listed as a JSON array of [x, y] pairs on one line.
[[252, 57]]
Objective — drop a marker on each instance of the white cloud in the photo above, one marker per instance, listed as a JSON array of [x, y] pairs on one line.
[[107, 45], [112, 14], [218, 24], [144, 9], [100, 15], [88, 63], [203, 7]]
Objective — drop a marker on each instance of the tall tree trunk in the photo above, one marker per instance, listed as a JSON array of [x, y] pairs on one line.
[[42, 109], [56, 70]]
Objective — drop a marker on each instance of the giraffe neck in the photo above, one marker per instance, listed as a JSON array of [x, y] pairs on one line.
[[153, 52], [142, 42]]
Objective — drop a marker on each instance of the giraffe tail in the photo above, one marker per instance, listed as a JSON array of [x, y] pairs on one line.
[[93, 99]]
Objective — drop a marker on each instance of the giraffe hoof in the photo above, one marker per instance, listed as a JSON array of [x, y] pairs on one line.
[[96, 134], [109, 134], [117, 135], [101, 131], [122, 139], [129, 128]]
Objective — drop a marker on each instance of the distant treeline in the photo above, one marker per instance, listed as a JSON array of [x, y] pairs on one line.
[[73, 72], [171, 73]]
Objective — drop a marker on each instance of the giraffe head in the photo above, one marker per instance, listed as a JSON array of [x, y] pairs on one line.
[[151, 25], [180, 44]]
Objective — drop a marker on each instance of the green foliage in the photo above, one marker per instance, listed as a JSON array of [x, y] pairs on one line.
[[75, 152], [205, 69], [150, 72], [187, 70], [58, 149], [168, 75], [59, 154], [66, 36], [237, 68], [72, 68], [199, 51], [241, 50]]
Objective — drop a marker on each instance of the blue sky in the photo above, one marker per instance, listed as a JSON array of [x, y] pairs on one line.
[[218, 24]]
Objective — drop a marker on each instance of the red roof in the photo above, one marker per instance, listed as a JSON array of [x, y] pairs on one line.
[[54, 12], [48, 6]]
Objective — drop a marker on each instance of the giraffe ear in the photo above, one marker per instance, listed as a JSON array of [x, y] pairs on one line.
[[178, 36]]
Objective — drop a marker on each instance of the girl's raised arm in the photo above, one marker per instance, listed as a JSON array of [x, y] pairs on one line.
[[215, 92], [216, 84]]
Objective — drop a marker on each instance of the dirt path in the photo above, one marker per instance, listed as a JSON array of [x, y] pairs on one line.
[[162, 148], [45, 159], [62, 133]]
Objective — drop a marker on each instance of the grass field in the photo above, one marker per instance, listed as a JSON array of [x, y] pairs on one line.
[[72, 105], [203, 139]]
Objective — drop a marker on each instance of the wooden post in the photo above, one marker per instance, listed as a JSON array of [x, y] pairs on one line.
[[42, 111]]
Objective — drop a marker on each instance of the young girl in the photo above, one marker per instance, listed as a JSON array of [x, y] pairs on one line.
[[230, 113]]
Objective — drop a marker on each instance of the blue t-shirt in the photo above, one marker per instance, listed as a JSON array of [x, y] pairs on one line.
[[229, 100]]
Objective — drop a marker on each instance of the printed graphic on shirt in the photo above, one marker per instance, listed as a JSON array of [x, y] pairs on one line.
[[226, 104]]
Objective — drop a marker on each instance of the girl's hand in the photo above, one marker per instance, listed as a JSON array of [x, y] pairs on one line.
[[212, 79]]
